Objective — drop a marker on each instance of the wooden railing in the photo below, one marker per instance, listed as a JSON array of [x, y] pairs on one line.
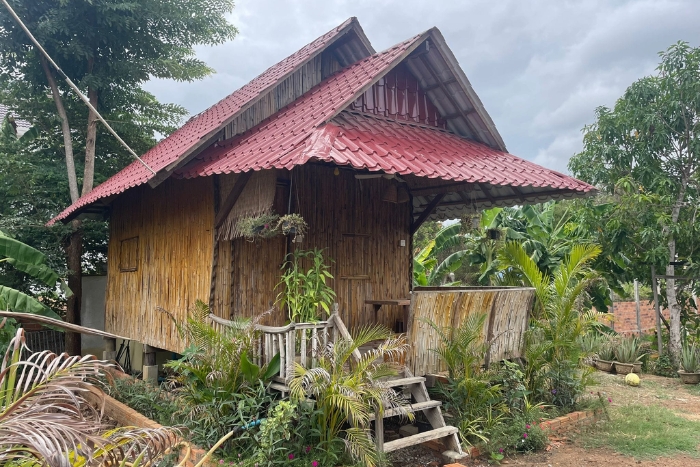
[[295, 342]]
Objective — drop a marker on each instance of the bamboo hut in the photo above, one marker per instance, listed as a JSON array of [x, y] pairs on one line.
[[365, 146]]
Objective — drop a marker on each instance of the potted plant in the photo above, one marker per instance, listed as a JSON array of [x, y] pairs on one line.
[[627, 353], [690, 373], [606, 355], [292, 224], [261, 226]]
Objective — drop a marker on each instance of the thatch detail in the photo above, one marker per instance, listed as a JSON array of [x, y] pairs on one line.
[[256, 199]]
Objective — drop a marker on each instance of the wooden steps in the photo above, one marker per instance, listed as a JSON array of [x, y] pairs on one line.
[[430, 408], [417, 407], [419, 438], [392, 383]]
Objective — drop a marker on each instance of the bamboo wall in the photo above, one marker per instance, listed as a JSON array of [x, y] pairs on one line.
[[172, 227], [507, 312], [348, 219], [298, 83]]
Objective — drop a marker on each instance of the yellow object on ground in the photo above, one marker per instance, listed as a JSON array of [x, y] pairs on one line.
[[632, 379]]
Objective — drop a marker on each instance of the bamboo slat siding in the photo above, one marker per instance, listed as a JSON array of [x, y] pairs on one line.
[[507, 312], [173, 224], [359, 231], [283, 94]]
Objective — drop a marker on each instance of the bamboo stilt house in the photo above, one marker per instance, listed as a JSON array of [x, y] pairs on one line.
[[364, 146]]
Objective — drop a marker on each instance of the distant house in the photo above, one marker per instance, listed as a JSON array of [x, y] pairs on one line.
[[19, 125], [365, 146]]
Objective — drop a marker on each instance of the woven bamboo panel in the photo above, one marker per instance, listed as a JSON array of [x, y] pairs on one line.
[[173, 226], [358, 231], [507, 311]]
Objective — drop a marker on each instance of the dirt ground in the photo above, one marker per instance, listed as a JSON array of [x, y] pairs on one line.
[[568, 451]]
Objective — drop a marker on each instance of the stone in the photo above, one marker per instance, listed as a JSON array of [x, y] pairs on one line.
[[408, 430], [453, 457]]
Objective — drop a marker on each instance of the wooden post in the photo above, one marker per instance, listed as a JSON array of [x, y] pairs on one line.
[[655, 287], [636, 301]]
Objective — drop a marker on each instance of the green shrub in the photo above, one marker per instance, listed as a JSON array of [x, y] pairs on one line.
[[518, 435], [663, 366]]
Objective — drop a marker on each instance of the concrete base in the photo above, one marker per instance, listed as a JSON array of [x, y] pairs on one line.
[[453, 457], [109, 355], [150, 374]]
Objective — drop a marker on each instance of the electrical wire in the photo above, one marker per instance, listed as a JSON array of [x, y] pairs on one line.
[[82, 96]]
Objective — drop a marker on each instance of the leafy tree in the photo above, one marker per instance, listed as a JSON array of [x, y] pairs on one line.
[[645, 154], [110, 48]]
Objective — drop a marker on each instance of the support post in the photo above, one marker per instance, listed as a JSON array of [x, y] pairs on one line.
[[110, 351], [637, 305], [655, 289], [150, 368]]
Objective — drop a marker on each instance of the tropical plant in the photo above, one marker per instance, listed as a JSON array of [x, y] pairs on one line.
[[215, 377], [644, 155], [689, 359], [462, 350], [305, 292], [606, 351], [348, 392], [427, 269], [552, 353], [46, 419], [628, 350], [33, 263]]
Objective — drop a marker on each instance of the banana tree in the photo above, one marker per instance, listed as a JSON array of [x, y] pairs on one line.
[[428, 270], [33, 263]]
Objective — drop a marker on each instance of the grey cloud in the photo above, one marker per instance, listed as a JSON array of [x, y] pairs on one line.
[[540, 67]]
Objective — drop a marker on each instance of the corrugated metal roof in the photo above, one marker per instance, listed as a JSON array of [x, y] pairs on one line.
[[201, 126]]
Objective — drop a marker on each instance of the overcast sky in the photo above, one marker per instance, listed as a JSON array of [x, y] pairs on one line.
[[541, 67]]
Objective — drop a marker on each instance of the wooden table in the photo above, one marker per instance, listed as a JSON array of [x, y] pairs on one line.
[[404, 303]]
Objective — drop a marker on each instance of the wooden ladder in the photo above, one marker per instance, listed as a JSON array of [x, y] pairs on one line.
[[449, 435]]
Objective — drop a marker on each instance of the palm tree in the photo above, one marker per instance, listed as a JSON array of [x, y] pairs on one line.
[[348, 393], [559, 318], [45, 417]]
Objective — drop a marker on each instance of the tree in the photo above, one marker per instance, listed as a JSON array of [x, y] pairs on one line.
[[429, 269], [645, 152], [109, 48]]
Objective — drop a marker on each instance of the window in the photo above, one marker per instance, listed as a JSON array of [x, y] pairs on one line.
[[129, 254]]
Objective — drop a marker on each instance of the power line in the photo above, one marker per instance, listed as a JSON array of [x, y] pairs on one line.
[[82, 96]]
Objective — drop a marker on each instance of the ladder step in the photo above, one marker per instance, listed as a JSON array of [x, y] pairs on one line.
[[392, 383], [420, 438], [417, 407], [279, 387]]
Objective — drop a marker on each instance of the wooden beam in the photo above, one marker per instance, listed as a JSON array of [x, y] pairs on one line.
[[443, 86], [447, 188], [534, 195], [487, 193], [433, 87], [426, 212], [232, 197]]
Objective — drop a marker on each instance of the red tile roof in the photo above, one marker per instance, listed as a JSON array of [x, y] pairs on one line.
[[378, 144], [272, 143], [175, 145]]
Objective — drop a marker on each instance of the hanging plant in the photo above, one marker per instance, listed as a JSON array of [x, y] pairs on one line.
[[292, 224], [269, 225], [262, 226]]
